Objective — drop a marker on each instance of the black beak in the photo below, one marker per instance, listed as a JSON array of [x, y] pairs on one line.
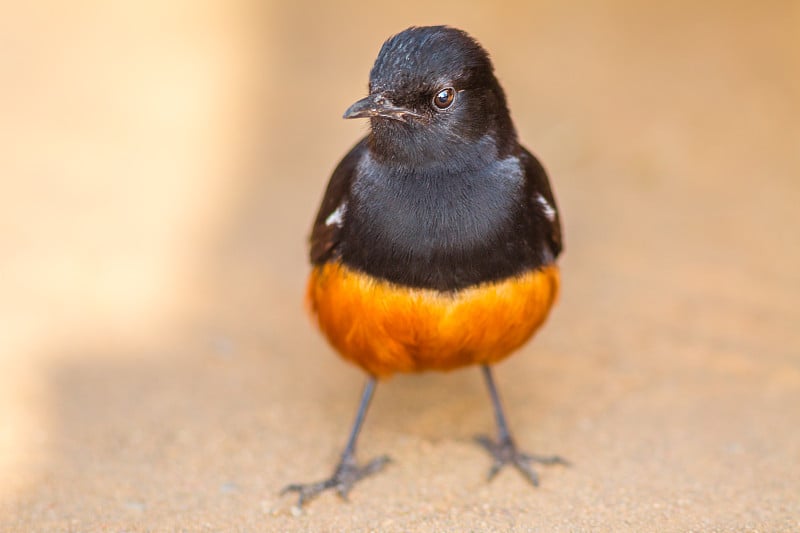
[[377, 105]]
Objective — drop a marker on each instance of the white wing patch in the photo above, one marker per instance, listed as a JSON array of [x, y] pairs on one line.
[[547, 209], [337, 217]]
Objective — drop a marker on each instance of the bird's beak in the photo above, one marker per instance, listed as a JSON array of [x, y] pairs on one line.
[[377, 105]]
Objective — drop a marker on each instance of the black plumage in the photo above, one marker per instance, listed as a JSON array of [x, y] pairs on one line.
[[437, 198]]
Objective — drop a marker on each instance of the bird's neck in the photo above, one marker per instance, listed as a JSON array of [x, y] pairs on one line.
[[412, 154]]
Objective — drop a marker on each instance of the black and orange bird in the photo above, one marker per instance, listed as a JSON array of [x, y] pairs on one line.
[[436, 242]]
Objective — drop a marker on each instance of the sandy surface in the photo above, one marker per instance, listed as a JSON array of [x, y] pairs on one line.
[[157, 371]]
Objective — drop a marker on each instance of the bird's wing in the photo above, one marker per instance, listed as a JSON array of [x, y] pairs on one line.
[[327, 230], [542, 201]]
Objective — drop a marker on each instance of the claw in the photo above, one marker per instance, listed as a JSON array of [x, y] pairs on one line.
[[506, 452], [346, 475]]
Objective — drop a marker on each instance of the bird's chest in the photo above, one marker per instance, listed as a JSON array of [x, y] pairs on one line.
[[424, 213]]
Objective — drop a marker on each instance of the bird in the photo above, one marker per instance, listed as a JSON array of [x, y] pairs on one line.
[[435, 244]]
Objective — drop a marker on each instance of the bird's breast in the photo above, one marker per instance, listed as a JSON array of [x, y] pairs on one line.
[[424, 211], [446, 228]]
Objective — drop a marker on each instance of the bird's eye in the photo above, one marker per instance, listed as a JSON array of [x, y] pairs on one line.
[[444, 98]]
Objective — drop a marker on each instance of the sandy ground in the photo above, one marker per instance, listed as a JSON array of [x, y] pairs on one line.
[[157, 370]]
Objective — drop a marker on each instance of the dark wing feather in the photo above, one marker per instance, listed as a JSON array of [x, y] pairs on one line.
[[325, 237], [537, 183]]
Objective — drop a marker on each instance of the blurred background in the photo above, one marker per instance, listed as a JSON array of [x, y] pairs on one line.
[[161, 165]]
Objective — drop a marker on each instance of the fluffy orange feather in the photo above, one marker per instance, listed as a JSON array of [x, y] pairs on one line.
[[386, 328]]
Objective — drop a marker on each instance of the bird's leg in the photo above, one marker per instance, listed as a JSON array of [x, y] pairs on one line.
[[347, 472], [504, 451]]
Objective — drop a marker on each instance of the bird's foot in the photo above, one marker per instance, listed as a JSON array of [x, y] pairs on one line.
[[505, 452], [347, 474]]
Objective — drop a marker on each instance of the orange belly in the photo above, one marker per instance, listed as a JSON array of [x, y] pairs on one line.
[[386, 328]]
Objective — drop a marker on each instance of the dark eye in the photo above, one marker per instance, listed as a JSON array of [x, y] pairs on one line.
[[444, 98]]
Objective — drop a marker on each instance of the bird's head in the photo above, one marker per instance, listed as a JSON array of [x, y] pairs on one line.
[[432, 91]]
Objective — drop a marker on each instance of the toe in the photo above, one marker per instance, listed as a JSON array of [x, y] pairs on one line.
[[525, 469], [374, 466], [494, 470], [545, 459], [486, 442]]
